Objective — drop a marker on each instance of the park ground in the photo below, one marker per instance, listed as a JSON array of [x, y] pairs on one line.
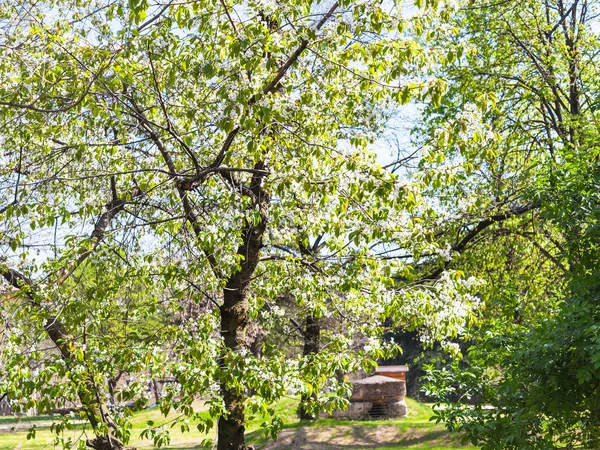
[[415, 432]]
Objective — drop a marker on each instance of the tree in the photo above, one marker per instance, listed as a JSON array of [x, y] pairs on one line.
[[519, 124], [220, 132]]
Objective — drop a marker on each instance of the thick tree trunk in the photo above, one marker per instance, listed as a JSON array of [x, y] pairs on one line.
[[231, 432], [312, 334], [234, 319]]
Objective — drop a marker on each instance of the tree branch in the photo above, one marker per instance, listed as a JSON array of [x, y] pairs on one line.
[[460, 246]]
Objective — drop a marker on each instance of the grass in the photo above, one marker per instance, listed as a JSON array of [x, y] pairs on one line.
[[414, 432]]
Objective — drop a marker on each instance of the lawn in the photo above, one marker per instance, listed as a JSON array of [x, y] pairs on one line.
[[415, 432]]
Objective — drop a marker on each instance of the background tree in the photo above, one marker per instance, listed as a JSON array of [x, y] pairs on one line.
[[519, 126]]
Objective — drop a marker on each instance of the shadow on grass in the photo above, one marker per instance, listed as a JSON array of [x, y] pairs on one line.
[[355, 436], [427, 438], [196, 447]]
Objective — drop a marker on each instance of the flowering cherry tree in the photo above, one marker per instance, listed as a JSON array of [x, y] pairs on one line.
[[172, 172]]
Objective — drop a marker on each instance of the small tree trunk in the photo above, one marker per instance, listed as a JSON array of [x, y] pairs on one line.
[[95, 409], [312, 334], [155, 391], [96, 412]]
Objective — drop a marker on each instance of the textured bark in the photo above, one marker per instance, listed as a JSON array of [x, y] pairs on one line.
[[312, 334], [234, 318], [104, 443]]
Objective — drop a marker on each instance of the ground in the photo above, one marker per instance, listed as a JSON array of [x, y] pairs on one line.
[[415, 432]]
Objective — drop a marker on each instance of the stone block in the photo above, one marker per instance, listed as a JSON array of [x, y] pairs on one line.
[[358, 410], [378, 388], [397, 409], [355, 411]]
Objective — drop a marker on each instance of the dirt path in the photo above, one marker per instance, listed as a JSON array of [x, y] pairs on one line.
[[356, 437], [25, 425]]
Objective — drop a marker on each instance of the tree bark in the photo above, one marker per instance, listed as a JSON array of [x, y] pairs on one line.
[[312, 334], [234, 319]]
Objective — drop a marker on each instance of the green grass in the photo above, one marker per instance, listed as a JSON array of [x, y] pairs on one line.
[[415, 432]]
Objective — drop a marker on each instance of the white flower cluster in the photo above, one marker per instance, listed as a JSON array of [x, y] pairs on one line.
[[442, 310]]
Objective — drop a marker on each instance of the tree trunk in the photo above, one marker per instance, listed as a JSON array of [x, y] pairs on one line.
[[155, 391], [231, 428], [234, 320], [312, 334], [91, 400], [95, 410]]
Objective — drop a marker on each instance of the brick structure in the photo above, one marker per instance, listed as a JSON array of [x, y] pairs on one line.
[[396, 372]]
